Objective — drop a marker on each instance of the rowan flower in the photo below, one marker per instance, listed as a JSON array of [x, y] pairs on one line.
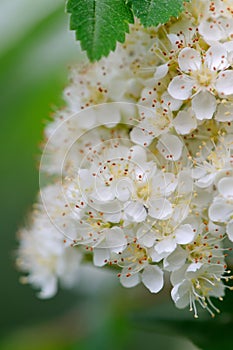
[[46, 258], [202, 78], [137, 169], [196, 283]]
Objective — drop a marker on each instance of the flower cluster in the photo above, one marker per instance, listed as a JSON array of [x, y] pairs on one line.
[[137, 169]]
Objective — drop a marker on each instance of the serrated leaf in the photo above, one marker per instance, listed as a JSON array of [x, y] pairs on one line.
[[99, 24], [154, 12]]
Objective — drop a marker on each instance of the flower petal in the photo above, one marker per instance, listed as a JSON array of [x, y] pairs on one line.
[[189, 60], [220, 210], [224, 112], [108, 114], [163, 183], [216, 57], [135, 212], [161, 71], [100, 256], [204, 105], [229, 230], [184, 234], [115, 239], [205, 181], [180, 294], [181, 87], [224, 84], [169, 102], [145, 236], [211, 31], [160, 209], [152, 278], [141, 136], [49, 288], [225, 187], [184, 122], [166, 245], [170, 147], [129, 281], [175, 260]]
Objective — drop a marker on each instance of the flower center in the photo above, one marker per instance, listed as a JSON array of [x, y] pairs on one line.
[[204, 77], [143, 192]]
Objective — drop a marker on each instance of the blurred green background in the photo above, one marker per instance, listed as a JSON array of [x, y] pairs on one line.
[[36, 48]]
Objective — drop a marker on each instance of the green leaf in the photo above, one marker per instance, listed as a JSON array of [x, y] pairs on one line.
[[99, 24], [154, 12]]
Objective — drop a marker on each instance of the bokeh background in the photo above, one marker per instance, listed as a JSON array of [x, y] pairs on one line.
[[36, 49]]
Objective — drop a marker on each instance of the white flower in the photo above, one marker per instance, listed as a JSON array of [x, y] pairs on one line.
[[136, 268], [196, 283], [200, 77], [213, 161], [168, 239], [221, 210], [45, 257], [125, 184]]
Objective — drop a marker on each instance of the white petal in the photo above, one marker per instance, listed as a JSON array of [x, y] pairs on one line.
[[167, 245], [88, 117], [161, 71], [113, 217], [184, 122], [216, 57], [175, 260], [152, 277], [189, 60], [141, 136], [145, 237], [115, 239], [198, 172], [163, 183], [181, 87], [138, 154], [229, 230], [224, 112], [178, 276], [130, 281], [169, 102], [155, 256], [211, 31], [100, 256], [170, 147], [204, 105], [193, 270], [216, 230], [104, 193], [180, 294], [228, 45], [185, 182], [224, 83], [205, 181], [85, 179], [135, 212], [123, 189], [220, 211], [108, 114], [184, 234], [225, 187], [160, 209], [49, 288]]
